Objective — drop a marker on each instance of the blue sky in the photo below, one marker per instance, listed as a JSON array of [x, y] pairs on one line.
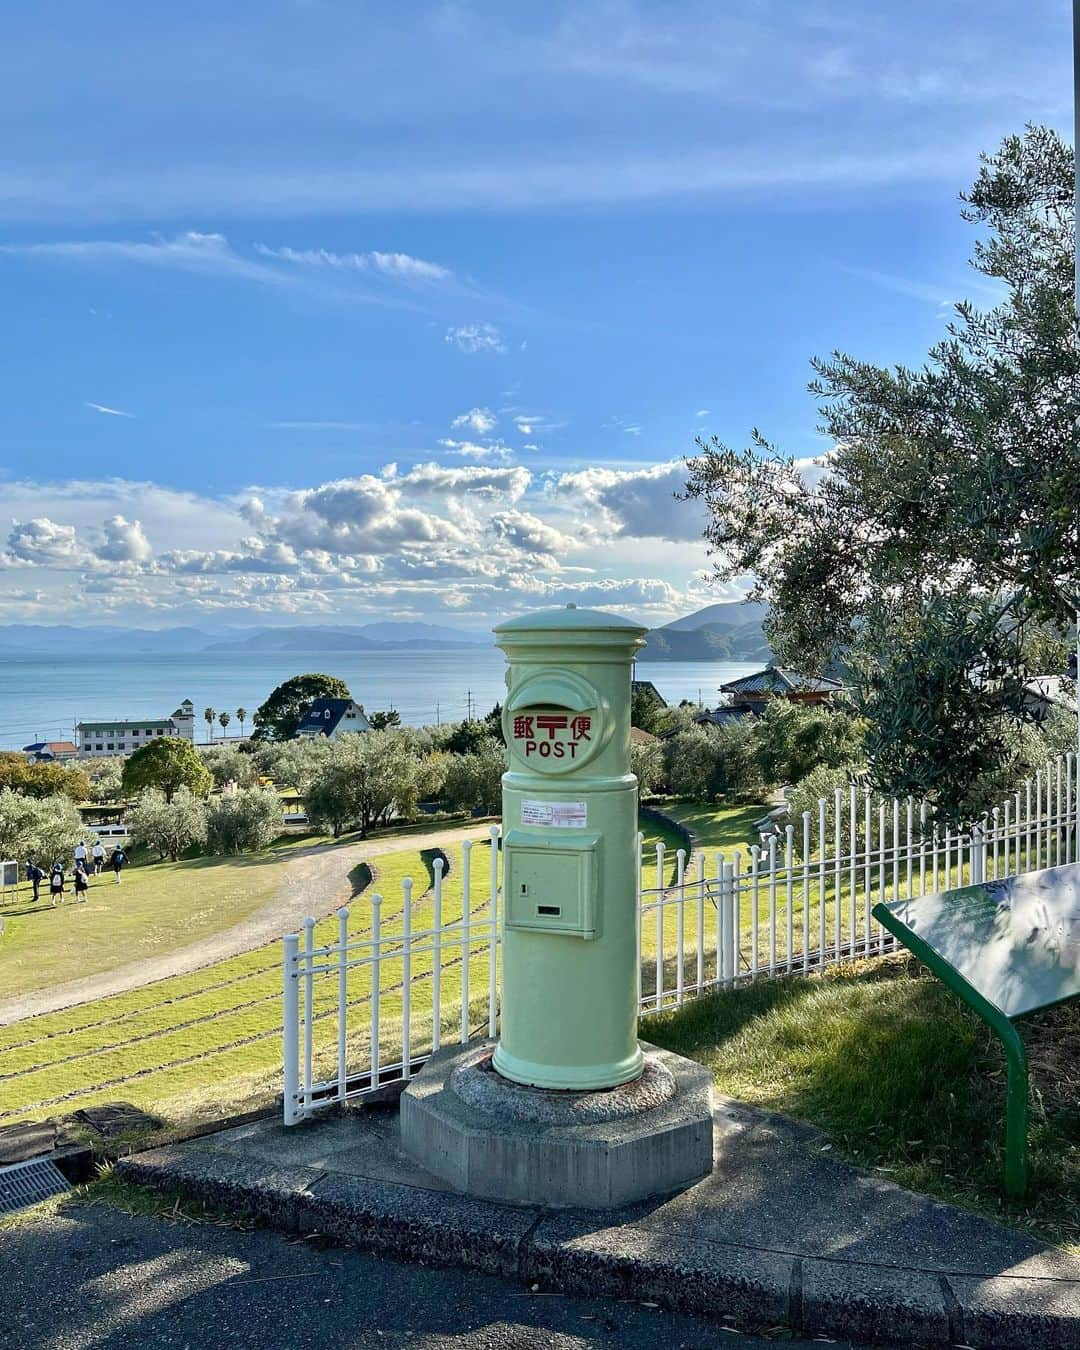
[[326, 311]]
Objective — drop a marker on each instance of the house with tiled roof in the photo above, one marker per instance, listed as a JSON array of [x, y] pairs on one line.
[[49, 752], [775, 682], [333, 717]]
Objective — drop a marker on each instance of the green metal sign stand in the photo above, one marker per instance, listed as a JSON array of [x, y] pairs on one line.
[[1005, 948]]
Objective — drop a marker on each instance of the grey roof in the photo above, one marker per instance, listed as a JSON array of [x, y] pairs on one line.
[[127, 725], [722, 717], [647, 687], [775, 680]]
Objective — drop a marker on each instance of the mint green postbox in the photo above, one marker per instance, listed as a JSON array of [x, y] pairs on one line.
[[570, 949]]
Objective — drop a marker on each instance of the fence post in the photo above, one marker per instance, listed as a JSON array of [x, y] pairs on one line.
[[493, 920], [343, 1000], [406, 978], [309, 1009], [436, 970], [727, 922], [291, 1029], [978, 856], [637, 912]]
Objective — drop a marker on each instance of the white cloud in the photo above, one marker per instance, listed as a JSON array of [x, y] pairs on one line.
[[571, 178], [101, 408], [401, 266], [124, 541], [511, 482], [703, 412], [192, 251], [479, 420], [491, 450], [638, 502], [475, 337], [42, 540], [482, 538], [212, 255]]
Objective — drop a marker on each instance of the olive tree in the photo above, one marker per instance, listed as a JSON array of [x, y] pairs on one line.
[[474, 780], [38, 829], [168, 826], [943, 525], [245, 821], [367, 779]]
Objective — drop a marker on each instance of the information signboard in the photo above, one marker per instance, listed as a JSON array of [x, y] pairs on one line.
[[1006, 948]]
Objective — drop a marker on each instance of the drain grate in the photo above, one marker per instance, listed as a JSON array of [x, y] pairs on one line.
[[26, 1183]]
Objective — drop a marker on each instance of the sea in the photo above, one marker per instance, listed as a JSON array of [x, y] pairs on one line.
[[42, 697]]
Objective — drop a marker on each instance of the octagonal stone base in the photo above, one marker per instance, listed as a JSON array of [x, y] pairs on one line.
[[489, 1137]]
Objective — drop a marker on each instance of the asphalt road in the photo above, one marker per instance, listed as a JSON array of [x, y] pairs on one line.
[[96, 1277]]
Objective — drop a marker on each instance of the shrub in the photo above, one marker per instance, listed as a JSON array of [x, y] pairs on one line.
[[474, 780], [707, 762], [169, 828], [228, 764], [42, 780], [245, 821], [38, 829], [647, 765]]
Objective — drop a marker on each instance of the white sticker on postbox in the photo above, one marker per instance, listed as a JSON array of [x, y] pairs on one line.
[[556, 815]]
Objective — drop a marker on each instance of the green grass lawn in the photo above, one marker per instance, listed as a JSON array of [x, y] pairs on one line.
[[901, 1077], [158, 907]]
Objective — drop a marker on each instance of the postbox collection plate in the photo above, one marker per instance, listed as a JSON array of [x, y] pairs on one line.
[[551, 887]]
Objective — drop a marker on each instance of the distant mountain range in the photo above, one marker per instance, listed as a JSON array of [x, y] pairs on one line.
[[21, 639], [723, 632]]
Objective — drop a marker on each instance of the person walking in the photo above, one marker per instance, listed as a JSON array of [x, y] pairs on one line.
[[82, 882], [117, 861], [80, 853], [97, 853], [35, 875], [56, 883]]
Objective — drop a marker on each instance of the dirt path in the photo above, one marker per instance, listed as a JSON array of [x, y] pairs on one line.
[[315, 883]]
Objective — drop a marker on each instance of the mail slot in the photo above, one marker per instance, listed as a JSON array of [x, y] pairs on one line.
[[551, 887]]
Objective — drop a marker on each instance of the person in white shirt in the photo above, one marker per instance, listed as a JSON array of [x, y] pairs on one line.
[[98, 855], [80, 853]]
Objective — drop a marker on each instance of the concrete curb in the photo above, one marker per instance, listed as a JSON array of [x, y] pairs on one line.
[[582, 1252]]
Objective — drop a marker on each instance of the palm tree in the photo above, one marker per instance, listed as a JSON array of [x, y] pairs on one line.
[[208, 717], [224, 719], [241, 717]]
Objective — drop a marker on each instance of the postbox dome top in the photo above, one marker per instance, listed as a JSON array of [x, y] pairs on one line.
[[569, 619]]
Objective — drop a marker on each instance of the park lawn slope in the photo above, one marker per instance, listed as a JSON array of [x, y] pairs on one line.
[[158, 907], [901, 1077]]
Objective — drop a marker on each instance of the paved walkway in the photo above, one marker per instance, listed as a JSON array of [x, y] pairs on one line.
[[780, 1233], [315, 881], [93, 1276]]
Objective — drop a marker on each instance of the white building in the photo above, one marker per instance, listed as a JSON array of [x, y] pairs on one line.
[[333, 717], [125, 737]]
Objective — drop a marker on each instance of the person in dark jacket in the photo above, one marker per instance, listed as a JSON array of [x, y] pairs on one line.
[[82, 882], [117, 861], [35, 875]]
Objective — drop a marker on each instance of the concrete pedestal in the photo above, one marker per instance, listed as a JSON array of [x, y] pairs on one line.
[[493, 1138]]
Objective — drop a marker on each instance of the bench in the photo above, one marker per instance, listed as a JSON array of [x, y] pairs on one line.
[[1006, 948]]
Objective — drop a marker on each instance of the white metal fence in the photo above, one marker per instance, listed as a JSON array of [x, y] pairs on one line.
[[370, 993]]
